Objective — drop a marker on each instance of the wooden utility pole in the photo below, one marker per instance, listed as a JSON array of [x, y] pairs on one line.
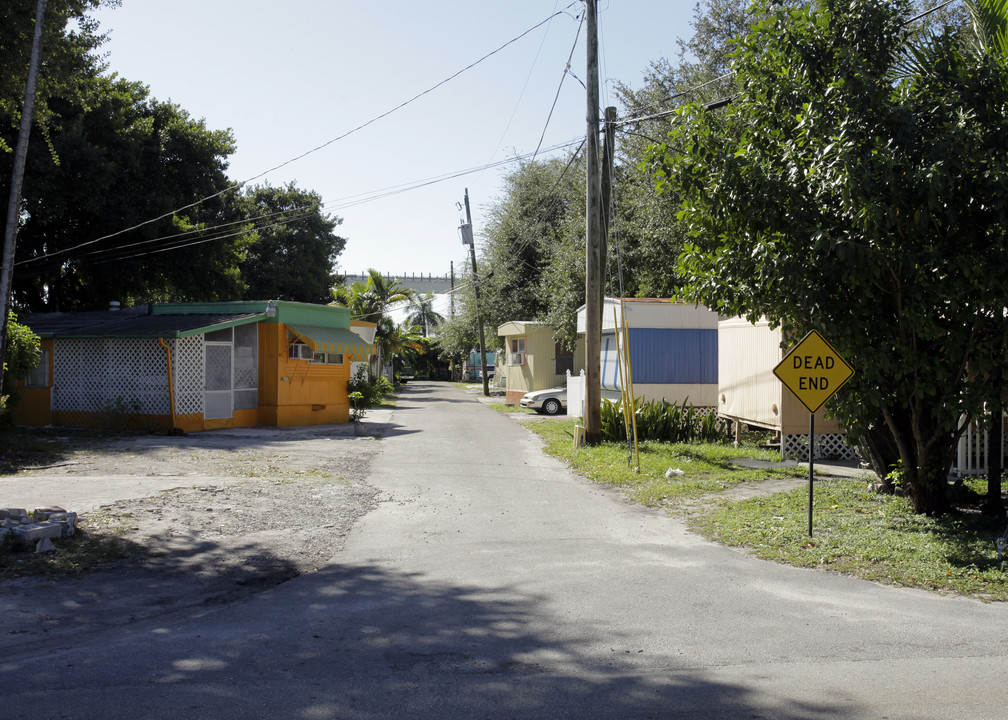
[[17, 178], [593, 241], [479, 313]]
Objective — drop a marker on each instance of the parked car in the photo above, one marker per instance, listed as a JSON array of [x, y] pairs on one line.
[[546, 402], [406, 374]]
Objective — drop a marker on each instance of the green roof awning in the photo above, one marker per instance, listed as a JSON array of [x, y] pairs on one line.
[[333, 340]]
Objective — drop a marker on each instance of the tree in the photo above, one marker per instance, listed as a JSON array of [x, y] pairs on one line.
[[121, 158], [833, 194], [292, 255], [21, 356], [70, 39], [423, 315], [370, 301]]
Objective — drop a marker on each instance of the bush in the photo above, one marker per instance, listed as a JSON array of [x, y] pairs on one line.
[[664, 422], [367, 393]]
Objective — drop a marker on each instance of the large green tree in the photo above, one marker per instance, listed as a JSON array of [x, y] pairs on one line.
[[293, 251], [105, 158], [119, 159], [839, 194]]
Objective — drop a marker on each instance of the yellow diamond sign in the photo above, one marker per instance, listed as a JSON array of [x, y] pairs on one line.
[[813, 371]]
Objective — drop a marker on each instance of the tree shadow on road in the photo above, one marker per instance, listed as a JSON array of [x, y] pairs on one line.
[[364, 642]]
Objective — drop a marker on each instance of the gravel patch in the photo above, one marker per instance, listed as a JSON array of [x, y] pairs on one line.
[[247, 514]]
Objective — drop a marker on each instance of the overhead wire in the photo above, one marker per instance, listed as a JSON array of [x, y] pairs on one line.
[[556, 97], [319, 147]]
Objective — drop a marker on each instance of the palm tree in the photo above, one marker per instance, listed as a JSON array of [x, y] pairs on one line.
[[402, 339], [370, 301], [423, 314]]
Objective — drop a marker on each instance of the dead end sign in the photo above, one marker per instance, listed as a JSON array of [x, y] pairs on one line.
[[813, 371]]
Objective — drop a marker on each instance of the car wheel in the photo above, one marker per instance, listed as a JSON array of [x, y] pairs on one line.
[[552, 407]]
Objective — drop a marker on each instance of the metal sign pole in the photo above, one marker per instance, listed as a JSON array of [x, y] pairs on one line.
[[811, 465]]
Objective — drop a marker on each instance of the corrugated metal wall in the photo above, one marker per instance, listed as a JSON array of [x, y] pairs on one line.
[[673, 356]]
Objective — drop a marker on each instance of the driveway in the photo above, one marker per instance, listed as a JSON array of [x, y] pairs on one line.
[[489, 582]]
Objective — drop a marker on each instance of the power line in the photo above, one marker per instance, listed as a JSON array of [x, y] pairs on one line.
[[323, 145], [556, 97], [182, 240]]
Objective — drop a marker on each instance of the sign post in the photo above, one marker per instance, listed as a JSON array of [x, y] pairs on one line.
[[813, 371]]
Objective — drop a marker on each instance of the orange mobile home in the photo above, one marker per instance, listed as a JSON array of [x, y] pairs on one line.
[[193, 366]]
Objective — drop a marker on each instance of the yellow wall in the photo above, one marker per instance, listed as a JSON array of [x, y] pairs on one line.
[[296, 392], [34, 403]]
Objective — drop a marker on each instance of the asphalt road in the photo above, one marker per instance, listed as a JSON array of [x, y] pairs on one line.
[[492, 583]]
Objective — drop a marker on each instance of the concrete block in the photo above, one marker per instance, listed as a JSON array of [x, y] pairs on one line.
[[14, 513], [25, 535], [4, 536], [67, 519], [45, 545]]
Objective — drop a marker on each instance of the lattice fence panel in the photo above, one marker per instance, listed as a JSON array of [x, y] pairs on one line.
[[828, 446], [971, 455], [103, 374], [187, 366]]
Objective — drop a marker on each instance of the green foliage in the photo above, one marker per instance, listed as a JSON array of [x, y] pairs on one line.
[[293, 251], [370, 301], [70, 41], [664, 422], [423, 315], [22, 351], [833, 195], [365, 392], [121, 158], [21, 356]]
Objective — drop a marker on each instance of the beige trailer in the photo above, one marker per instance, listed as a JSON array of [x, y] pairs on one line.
[[534, 359], [749, 393]]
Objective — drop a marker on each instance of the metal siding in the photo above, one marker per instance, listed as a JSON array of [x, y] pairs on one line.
[[674, 356], [610, 362]]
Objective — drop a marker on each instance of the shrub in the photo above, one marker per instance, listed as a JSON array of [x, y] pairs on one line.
[[367, 393], [664, 422]]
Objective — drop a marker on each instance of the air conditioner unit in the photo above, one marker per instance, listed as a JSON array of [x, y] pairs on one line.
[[300, 351], [516, 358]]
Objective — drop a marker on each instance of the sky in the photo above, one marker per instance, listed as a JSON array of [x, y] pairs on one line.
[[296, 81]]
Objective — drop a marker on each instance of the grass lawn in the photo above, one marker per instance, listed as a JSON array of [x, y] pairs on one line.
[[871, 536], [707, 468], [855, 531]]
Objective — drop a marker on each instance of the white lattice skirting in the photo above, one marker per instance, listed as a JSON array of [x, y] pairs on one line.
[[828, 446], [188, 370], [126, 374]]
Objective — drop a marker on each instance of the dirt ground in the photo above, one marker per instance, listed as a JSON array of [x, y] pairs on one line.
[[205, 519]]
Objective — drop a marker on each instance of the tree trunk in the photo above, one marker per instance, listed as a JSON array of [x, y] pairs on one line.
[[926, 453]]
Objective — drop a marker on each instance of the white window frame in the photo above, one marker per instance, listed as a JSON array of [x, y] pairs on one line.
[[43, 364], [516, 351]]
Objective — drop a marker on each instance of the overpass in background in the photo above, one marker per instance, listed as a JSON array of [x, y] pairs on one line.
[[421, 283]]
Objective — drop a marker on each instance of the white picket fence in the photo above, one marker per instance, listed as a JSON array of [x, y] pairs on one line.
[[971, 456]]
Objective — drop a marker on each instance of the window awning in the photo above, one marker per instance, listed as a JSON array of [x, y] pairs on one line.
[[333, 340]]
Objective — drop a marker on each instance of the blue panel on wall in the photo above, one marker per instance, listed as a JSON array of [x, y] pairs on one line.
[[686, 355]]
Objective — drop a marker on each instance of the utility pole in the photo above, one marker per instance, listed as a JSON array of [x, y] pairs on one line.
[[479, 313], [17, 178], [451, 295], [593, 240]]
